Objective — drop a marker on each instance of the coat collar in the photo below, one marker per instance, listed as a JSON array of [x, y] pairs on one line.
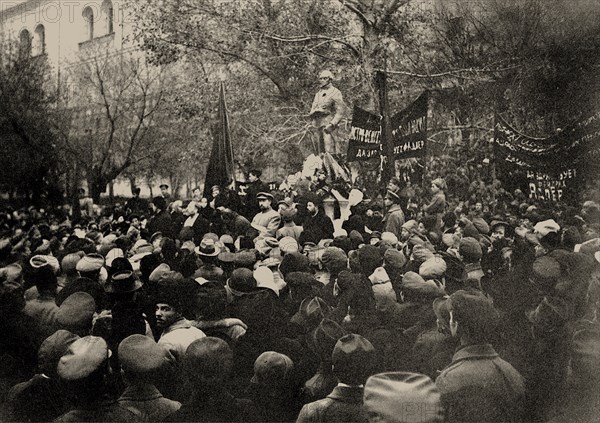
[[474, 352], [471, 267], [349, 394], [140, 393], [394, 208], [180, 324]]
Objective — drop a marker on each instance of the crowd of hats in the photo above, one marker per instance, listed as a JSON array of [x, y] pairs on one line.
[[327, 292]]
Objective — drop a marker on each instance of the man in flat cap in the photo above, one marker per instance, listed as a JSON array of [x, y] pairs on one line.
[[43, 309], [208, 364], [164, 192], [274, 389], [267, 221], [255, 186], [354, 360], [142, 360], [83, 370], [42, 397], [76, 313], [478, 386], [470, 253], [394, 218]]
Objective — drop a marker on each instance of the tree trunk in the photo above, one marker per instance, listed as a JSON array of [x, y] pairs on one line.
[[132, 183], [97, 185], [149, 183]]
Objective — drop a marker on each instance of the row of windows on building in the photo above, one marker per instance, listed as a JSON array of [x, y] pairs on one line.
[[95, 25]]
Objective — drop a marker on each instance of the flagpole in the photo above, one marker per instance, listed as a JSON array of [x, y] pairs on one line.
[[389, 168]]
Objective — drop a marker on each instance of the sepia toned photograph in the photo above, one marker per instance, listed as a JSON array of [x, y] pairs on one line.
[[300, 211]]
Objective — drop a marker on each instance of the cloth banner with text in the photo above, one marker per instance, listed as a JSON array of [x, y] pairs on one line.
[[552, 168], [365, 136], [409, 129]]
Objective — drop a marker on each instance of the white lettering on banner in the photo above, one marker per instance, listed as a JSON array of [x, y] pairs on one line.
[[545, 192], [366, 153], [512, 159], [585, 139], [365, 135], [412, 127], [409, 146], [562, 176], [589, 120]]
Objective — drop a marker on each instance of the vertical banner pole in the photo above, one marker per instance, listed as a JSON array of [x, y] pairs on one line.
[[389, 166]]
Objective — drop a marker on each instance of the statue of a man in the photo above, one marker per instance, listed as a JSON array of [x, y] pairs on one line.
[[326, 112]]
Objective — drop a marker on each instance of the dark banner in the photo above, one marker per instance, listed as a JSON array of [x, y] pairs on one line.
[[551, 167], [409, 129], [549, 187], [365, 136], [220, 170]]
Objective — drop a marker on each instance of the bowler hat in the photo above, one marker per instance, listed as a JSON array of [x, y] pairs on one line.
[[324, 338], [242, 280], [123, 282], [311, 312], [272, 368]]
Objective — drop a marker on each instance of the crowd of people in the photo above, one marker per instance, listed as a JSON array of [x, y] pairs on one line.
[[455, 300]]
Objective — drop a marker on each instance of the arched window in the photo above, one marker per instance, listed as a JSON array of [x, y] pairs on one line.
[[88, 17], [40, 40], [25, 43], [107, 13]]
